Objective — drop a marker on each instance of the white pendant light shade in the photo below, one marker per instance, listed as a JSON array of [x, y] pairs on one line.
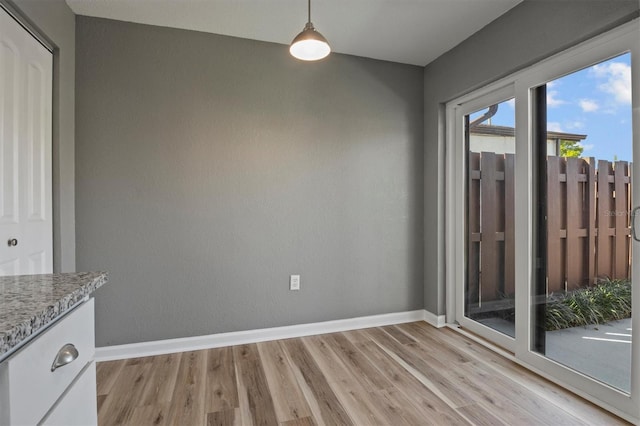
[[309, 45]]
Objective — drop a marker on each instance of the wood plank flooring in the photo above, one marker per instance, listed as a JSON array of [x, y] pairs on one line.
[[409, 374]]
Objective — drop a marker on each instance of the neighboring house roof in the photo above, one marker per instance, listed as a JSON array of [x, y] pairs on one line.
[[484, 129]]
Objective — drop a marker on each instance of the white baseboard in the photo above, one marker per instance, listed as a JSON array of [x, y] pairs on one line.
[[161, 347], [437, 321]]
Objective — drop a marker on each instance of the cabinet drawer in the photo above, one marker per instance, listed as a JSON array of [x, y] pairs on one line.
[[77, 407], [34, 387]]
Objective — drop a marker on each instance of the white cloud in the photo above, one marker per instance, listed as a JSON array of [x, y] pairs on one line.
[[511, 103], [552, 100], [577, 124], [618, 80], [588, 105], [587, 146], [554, 126]]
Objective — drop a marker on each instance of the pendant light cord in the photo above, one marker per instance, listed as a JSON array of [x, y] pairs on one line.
[[309, 9]]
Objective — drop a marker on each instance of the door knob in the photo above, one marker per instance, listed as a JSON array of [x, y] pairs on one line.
[[12, 242]]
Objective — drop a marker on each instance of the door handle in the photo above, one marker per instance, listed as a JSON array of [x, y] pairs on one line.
[[12, 242], [633, 223]]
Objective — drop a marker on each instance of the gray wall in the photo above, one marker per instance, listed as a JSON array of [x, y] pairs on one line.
[[531, 31], [210, 168], [55, 20]]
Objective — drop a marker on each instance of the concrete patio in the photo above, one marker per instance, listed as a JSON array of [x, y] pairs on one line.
[[600, 351]]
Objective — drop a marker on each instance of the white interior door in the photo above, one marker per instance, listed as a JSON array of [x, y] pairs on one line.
[[26, 229]]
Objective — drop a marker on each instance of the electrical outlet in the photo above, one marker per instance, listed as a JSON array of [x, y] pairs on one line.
[[294, 282]]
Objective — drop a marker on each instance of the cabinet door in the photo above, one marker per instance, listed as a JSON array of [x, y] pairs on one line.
[[26, 237], [78, 406]]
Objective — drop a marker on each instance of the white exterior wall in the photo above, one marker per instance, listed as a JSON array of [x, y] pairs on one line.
[[502, 144]]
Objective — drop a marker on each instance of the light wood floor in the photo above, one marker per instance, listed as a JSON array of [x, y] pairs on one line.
[[410, 374]]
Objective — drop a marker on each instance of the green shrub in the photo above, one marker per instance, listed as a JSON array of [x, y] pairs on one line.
[[608, 300]]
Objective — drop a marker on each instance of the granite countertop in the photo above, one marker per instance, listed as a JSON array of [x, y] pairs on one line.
[[28, 303]]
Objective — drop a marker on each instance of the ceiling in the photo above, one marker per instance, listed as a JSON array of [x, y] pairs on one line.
[[406, 31]]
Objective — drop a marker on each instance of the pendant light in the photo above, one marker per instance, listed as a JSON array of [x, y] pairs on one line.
[[309, 45]]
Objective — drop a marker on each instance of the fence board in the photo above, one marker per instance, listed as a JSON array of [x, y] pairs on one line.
[[591, 218], [555, 212], [574, 212], [629, 218], [604, 254], [473, 226], [509, 225], [621, 219], [488, 227]]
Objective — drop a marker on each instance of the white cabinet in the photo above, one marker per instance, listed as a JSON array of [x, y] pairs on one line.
[[32, 391]]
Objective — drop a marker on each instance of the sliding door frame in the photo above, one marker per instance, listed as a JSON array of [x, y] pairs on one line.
[[460, 153], [625, 38]]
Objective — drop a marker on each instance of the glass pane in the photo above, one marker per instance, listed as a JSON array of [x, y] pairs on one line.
[[587, 295], [490, 278]]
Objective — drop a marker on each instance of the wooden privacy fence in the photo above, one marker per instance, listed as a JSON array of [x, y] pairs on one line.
[[588, 234]]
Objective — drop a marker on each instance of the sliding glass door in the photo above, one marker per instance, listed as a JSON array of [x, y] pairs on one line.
[[585, 298], [542, 239], [487, 128]]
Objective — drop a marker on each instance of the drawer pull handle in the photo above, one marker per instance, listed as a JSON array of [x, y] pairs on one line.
[[65, 355]]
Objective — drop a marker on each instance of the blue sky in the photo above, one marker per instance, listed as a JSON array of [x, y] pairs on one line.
[[596, 102]]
